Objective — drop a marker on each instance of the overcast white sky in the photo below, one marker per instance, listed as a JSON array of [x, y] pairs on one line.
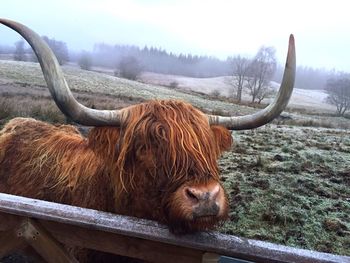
[[217, 28]]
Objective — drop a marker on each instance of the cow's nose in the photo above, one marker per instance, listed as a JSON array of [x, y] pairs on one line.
[[205, 200]]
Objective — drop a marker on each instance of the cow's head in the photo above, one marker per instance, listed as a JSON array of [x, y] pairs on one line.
[[167, 165], [166, 152]]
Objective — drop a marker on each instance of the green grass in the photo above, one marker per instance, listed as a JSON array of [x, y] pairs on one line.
[[284, 192]]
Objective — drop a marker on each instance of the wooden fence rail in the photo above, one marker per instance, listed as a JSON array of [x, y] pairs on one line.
[[45, 226]]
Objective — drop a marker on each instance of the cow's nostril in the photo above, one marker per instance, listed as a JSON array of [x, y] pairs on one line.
[[191, 195]]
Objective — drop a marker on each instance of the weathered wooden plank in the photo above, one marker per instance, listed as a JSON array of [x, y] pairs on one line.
[[43, 243], [132, 227], [104, 241], [151, 251], [210, 258]]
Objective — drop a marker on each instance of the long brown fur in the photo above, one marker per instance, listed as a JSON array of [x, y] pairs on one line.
[[133, 169]]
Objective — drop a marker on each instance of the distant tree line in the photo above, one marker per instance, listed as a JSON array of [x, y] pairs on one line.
[[22, 52], [308, 77], [158, 60], [253, 74], [6, 49]]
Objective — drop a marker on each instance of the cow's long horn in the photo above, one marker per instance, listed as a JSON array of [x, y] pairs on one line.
[[58, 86], [274, 109]]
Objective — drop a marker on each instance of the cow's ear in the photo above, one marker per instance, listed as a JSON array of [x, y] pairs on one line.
[[222, 137]]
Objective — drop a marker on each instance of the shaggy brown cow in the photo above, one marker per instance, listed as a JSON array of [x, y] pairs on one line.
[[156, 160], [161, 165]]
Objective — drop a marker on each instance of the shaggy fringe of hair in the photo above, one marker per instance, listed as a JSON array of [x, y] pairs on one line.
[[176, 134]]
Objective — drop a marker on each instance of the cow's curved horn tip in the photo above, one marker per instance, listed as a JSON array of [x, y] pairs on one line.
[[291, 50], [291, 40]]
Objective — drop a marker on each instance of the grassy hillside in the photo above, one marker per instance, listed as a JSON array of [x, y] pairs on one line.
[[29, 74], [312, 100], [108, 92]]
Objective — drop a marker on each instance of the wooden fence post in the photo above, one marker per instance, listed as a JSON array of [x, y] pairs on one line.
[[210, 258], [43, 243]]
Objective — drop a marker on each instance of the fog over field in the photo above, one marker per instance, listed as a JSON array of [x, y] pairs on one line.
[[213, 28]]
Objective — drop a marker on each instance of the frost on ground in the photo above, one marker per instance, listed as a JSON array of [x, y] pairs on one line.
[[301, 98], [291, 186], [204, 85]]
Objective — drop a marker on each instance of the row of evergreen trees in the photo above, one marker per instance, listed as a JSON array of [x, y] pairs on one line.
[[158, 60]]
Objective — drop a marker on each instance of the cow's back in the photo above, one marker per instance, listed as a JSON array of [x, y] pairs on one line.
[[20, 146]]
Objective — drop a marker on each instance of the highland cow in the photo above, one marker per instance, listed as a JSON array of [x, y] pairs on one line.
[[155, 160]]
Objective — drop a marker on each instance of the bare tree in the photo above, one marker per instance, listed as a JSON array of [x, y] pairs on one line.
[[339, 93], [261, 71], [85, 60], [19, 54], [264, 93], [129, 67], [240, 66]]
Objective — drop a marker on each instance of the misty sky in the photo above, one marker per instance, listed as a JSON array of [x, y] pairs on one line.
[[216, 28]]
